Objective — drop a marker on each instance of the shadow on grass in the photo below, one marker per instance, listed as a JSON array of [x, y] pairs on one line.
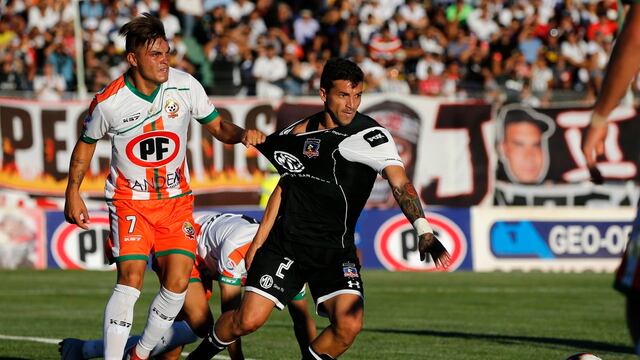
[[11, 358], [582, 345]]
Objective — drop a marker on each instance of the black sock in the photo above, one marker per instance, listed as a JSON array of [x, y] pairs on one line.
[[310, 354], [208, 348]]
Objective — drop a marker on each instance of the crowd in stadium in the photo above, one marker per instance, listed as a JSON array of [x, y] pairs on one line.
[[269, 48]]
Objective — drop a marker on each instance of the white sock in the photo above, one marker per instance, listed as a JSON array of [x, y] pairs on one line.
[[179, 333], [118, 317], [162, 311], [92, 349]]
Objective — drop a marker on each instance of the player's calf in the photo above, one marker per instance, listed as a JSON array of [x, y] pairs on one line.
[[210, 346]]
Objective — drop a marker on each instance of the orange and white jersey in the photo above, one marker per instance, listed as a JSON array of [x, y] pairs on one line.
[[148, 134], [223, 241]]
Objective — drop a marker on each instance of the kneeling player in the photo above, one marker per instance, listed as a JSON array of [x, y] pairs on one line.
[[223, 240]]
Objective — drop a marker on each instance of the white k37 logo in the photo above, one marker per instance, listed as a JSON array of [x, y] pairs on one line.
[[288, 161]]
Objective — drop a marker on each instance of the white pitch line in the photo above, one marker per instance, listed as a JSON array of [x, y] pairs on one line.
[[30, 338], [56, 341]]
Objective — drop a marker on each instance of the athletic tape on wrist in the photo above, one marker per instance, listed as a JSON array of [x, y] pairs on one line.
[[597, 119], [422, 226]]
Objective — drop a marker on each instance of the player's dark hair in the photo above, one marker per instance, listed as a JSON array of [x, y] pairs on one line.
[[340, 69], [142, 31]]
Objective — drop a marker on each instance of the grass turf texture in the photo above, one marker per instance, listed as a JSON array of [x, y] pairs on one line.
[[407, 315]]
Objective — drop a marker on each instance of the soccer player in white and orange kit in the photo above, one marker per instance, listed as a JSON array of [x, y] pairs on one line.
[[146, 112], [223, 241]]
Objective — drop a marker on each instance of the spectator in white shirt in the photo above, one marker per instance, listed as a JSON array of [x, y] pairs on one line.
[[414, 14], [481, 24], [42, 16], [367, 28], [49, 86], [270, 70], [574, 50], [171, 22], [239, 9], [305, 28], [430, 63]]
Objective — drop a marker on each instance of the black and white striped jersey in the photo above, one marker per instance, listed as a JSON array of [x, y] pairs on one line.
[[327, 176]]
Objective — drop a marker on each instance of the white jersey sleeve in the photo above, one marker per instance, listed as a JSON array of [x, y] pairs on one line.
[[201, 107], [373, 147], [95, 124]]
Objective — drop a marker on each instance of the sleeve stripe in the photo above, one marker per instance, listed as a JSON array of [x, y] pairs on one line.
[[87, 139], [209, 118]]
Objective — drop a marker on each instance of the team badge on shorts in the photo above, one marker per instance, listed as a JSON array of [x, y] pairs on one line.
[[189, 230], [349, 270], [230, 265], [172, 108], [266, 281], [311, 148]]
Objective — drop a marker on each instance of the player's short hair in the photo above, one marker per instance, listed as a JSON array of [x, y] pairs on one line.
[[340, 69], [142, 31]]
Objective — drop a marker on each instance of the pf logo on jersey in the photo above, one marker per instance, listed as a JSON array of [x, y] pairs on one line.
[[396, 244], [288, 161], [153, 149]]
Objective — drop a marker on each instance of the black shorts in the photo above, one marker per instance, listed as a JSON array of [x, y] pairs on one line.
[[281, 268]]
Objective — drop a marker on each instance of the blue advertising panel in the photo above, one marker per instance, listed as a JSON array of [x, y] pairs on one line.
[[559, 239]]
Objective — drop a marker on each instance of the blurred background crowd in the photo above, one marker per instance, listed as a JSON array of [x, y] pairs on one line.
[[533, 51]]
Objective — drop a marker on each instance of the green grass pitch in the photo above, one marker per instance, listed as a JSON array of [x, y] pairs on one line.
[[407, 316]]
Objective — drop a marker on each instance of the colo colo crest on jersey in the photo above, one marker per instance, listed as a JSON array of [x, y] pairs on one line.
[[311, 148]]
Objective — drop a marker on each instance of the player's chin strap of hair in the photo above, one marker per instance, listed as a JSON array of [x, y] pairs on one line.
[[422, 226]]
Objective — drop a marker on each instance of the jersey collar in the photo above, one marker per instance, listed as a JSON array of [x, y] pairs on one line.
[[148, 98]]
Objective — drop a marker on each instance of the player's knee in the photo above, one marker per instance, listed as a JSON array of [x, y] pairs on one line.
[[245, 324], [348, 328], [177, 284], [131, 278]]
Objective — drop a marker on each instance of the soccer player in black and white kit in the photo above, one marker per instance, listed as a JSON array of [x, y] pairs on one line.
[[328, 162]]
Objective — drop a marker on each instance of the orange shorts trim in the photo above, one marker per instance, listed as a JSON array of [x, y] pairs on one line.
[[163, 227]]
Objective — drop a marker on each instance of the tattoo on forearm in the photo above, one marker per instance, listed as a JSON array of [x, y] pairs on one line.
[[407, 198], [76, 171]]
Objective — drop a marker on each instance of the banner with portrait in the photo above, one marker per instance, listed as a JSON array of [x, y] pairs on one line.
[[540, 161]]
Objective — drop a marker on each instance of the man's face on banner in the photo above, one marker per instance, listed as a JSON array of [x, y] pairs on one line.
[[522, 150]]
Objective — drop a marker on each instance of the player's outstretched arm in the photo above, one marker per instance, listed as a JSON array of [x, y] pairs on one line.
[[622, 67], [230, 133], [75, 210], [268, 219], [407, 198]]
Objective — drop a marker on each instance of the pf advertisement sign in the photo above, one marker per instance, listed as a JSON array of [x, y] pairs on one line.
[[387, 240], [71, 247], [569, 239]]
